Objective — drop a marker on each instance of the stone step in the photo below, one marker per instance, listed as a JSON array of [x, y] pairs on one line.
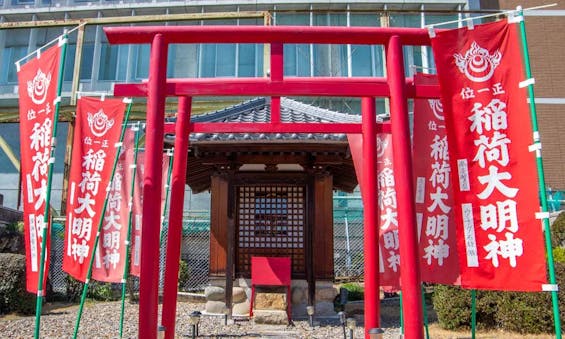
[[275, 317]]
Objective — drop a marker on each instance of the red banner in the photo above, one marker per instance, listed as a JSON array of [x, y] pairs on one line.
[[434, 194], [480, 72], [110, 257], [138, 209], [389, 246], [97, 130], [37, 85]]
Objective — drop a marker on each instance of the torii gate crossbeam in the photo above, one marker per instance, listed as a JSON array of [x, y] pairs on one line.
[[395, 86]]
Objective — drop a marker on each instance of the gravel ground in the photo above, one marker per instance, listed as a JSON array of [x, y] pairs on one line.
[[101, 320]]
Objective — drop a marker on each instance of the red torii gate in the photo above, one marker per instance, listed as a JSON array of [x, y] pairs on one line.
[[158, 87]]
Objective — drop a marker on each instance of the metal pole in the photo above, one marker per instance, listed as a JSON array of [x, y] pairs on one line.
[[174, 237], [402, 159], [541, 179], [347, 245], [370, 224], [46, 214], [130, 216], [103, 212], [149, 277]]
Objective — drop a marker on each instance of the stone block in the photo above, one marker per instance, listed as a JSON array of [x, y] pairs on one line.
[[270, 301], [272, 317], [324, 284], [238, 295], [327, 293], [354, 307], [214, 293], [242, 282], [324, 308], [216, 307], [299, 310], [299, 283], [241, 309], [298, 295]]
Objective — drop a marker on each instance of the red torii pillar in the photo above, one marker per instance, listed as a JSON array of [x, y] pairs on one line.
[[174, 237], [152, 183], [402, 163]]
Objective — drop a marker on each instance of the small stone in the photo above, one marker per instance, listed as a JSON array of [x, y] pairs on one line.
[[215, 307], [241, 309], [238, 295], [214, 293]]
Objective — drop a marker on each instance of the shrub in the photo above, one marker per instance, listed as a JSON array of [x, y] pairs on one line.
[[453, 307], [104, 291], [13, 294], [184, 274], [355, 291], [74, 289], [523, 312], [559, 254], [531, 312], [558, 231]]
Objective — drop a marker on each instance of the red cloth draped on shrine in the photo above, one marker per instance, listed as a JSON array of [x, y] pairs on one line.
[[98, 128], [489, 130], [37, 86], [434, 194]]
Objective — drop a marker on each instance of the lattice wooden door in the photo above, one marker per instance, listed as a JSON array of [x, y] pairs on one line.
[[270, 222]]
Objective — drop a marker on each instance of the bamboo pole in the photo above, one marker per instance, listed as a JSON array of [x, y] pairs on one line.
[[39, 301], [473, 313], [89, 272], [137, 130], [541, 176], [425, 310], [167, 191]]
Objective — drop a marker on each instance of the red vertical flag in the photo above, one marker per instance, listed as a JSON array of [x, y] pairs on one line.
[[97, 131], [37, 86], [389, 246], [495, 192], [137, 209], [110, 257], [434, 195]]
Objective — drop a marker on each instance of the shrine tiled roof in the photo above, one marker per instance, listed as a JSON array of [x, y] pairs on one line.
[[259, 110]]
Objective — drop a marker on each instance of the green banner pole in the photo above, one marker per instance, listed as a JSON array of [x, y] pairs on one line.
[[541, 176], [46, 214], [170, 154], [89, 272], [473, 313], [401, 313], [137, 129], [425, 308]]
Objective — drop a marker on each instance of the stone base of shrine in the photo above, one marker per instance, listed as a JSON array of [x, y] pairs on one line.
[[271, 302]]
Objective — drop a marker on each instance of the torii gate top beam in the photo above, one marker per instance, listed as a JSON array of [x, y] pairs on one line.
[[268, 34]]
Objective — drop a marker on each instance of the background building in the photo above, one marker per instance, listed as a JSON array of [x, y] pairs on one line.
[[92, 65]]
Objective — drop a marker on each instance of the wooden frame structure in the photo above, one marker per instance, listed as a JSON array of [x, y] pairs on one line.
[[158, 87]]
